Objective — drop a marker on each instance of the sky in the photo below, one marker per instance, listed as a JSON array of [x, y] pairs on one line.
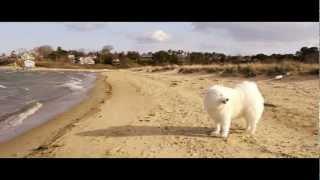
[[234, 38]]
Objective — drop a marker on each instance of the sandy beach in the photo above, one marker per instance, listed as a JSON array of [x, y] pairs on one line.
[[138, 114]]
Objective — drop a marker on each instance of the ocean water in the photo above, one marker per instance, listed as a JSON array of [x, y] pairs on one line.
[[29, 98]]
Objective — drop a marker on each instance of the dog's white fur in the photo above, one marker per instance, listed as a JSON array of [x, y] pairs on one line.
[[224, 104]]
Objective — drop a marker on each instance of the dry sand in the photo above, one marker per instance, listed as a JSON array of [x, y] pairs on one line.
[[161, 115]]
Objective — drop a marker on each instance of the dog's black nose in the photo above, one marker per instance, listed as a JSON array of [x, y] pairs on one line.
[[225, 101]]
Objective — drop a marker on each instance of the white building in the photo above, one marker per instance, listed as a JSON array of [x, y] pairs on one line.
[[116, 61], [86, 60], [72, 58], [146, 57], [28, 60], [29, 64]]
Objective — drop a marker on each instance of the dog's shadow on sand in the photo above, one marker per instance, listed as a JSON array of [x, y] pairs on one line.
[[127, 131]]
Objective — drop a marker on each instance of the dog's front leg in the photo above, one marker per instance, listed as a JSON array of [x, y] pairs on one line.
[[216, 132], [226, 127]]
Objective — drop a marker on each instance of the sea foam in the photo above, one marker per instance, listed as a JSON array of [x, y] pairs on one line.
[[73, 85], [15, 120]]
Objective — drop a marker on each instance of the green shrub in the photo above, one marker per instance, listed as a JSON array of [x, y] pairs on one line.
[[248, 71], [229, 71], [313, 71]]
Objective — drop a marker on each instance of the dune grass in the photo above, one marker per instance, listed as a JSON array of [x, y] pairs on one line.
[[247, 70]]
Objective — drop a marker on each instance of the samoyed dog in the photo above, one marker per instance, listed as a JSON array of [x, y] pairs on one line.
[[225, 104]]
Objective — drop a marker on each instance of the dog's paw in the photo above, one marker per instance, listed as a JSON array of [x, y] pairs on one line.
[[252, 132], [225, 138], [215, 134], [225, 135]]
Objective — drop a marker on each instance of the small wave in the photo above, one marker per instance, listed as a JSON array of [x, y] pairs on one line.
[[73, 85], [76, 79], [26, 114], [2, 86], [17, 118]]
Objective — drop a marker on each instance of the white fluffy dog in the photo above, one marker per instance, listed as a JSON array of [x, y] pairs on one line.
[[224, 104]]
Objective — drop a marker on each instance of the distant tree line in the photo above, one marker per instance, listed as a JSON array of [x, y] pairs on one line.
[[107, 56]]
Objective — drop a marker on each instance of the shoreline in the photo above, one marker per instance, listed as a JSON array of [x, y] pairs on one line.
[[44, 135], [54, 69]]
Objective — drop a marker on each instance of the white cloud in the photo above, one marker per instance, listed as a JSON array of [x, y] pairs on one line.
[[160, 36], [153, 37], [85, 26]]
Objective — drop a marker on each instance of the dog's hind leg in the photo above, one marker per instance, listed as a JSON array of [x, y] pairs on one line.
[[248, 125], [253, 128], [252, 121], [255, 117]]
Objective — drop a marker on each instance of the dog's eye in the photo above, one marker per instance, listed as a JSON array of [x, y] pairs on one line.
[[227, 99]]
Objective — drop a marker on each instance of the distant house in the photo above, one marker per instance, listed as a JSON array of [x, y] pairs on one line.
[[115, 61], [182, 55], [29, 64], [146, 57], [247, 59], [27, 60], [72, 58], [87, 60], [216, 57], [242, 59]]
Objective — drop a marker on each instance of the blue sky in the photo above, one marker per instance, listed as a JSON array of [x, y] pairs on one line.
[[230, 38]]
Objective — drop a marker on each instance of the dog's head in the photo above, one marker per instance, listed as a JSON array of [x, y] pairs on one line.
[[219, 94]]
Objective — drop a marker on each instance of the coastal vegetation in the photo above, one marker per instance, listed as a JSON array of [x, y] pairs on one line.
[[304, 61]]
